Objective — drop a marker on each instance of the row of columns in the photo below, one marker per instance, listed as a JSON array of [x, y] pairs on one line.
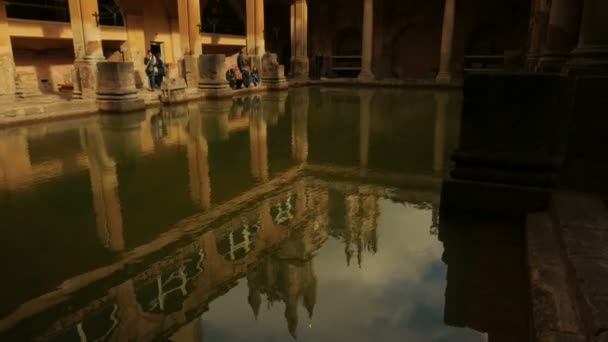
[[569, 35], [299, 37]]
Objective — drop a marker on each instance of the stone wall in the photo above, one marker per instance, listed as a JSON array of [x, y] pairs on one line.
[[407, 33], [52, 67]]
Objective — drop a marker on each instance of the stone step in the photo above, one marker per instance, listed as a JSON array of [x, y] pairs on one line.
[[555, 315], [581, 222]]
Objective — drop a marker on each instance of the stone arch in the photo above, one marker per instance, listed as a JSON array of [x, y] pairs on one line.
[[415, 52], [226, 17], [110, 13], [348, 42]]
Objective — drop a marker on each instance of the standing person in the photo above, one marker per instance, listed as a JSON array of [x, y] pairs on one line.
[[240, 61], [151, 68], [162, 71]]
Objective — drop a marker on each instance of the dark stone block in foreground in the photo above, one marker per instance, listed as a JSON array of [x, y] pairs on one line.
[[513, 139], [514, 128]]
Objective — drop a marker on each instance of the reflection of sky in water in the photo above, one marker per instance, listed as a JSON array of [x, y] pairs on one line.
[[397, 294]]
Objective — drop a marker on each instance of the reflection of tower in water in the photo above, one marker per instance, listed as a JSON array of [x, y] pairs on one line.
[[288, 275], [361, 226]]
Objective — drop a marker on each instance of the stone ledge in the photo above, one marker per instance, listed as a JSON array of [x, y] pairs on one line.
[[54, 110], [555, 314]]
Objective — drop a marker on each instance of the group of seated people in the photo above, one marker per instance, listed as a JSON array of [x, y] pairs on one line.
[[238, 78], [241, 75]]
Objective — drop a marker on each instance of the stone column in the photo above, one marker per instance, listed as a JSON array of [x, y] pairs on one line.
[[198, 159], [447, 38], [104, 187], [116, 90], [367, 41], [136, 48], [87, 46], [255, 28], [591, 54], [299, 38], [189, 18], [562, 34], [7, 63], [212, 75], [365, 103]]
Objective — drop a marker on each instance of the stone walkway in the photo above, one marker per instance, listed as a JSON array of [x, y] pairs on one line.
[[568, 265], [43, 107]]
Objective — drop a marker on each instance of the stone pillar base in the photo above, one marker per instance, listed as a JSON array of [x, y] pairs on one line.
[[212, 76], [300, 67], [551, 63], [444, 78], [365, 76], [173, 91], [189, 70], [588, 60], [120, 104], [116, 90], [272, 73]]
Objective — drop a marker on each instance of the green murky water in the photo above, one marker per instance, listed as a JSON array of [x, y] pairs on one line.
[[309, 214]]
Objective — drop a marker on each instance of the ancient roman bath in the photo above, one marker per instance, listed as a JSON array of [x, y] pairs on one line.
[[309, 214]]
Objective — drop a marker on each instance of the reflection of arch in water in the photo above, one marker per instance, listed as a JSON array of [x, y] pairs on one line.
[[415, 52], [240, 241], [283, 211], [94, 327], [166, 292]]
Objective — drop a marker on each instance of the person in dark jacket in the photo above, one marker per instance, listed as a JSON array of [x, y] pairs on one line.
[[240, 61], [162, 70], [151, 69]]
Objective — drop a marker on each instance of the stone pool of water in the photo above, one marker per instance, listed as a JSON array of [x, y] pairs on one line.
[[312, 213]]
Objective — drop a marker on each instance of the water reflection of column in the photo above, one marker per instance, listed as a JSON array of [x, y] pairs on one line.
[[128, 312], [441, 109], [15, 164], [299, 125], [365, 103], [122, 135], [198, 160], [258, 144], [104, 186], [216, 120]]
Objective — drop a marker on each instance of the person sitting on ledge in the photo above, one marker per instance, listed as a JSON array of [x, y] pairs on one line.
[[238, 77], [255, 76], [231, 78], [246, 77]]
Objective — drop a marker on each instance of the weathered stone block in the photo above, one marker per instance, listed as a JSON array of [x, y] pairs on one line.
[[173, 91], [189, 69], [116, 91], [300, 67], [212, 75], [272, 73]]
